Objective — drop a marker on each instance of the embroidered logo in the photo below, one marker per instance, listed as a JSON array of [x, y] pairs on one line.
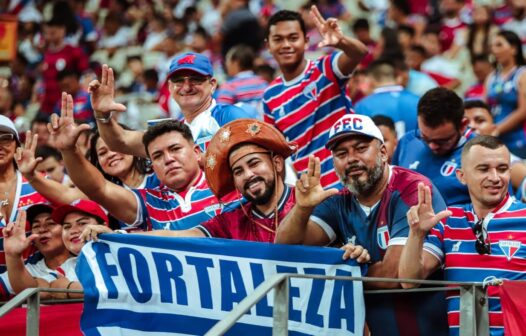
[[351, 240], [456, 247], [509, 247], [310, 91], [254, 128], [414, 165], [448, 168], [189, 59], [214, 210], [382, 237], [224, 136]]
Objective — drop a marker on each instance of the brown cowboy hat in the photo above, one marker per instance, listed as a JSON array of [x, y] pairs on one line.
[[240, 131]]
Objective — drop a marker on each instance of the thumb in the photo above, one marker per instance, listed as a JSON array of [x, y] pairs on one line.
[[32, 238], [442, 215], [83, 127], [329, 192], [118, 107]]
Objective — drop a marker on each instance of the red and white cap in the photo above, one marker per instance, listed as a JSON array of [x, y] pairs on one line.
[[85, 206]]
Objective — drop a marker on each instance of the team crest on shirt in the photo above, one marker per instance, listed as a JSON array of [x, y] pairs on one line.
[[448, 168], [214, 210], [382, 237], [310, 91], [509, 247]]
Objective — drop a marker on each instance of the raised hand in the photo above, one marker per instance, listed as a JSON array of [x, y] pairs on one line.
[[63, 130], [25, 156], [421, 217], [309, 191], [357, 252], [15, 240], [102, 94], [329, 29], [92, 231]]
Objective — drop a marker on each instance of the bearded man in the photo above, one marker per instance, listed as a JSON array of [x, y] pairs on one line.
[[370, 212]]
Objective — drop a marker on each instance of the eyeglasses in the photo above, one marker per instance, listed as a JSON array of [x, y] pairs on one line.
[[438, 142], [192, 80], [482, 244], [6, 138]]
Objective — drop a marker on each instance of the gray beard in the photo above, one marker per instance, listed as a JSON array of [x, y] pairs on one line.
[[365, 188]]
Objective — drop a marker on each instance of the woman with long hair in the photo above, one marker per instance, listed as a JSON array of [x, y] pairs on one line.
[[481, 31], [506, 91]]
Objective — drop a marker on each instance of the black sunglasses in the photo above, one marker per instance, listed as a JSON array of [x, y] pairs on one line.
[[482, 244]]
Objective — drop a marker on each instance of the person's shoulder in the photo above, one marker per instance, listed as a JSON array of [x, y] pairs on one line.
[[408, 137], [405, 180], [225, 113]]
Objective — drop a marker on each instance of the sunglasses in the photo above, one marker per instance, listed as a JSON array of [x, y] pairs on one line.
[[438, 142], [6, 138], [482, 244], [192, 80]]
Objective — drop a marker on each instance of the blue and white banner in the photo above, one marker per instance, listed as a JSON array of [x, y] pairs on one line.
[[145, 285]]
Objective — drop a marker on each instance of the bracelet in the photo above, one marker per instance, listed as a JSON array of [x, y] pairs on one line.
[[67, 287], [106, 119]]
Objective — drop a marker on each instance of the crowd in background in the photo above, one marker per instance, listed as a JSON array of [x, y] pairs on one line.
[[129, 56]]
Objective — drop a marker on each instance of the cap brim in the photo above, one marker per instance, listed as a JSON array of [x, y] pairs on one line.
[[336, 139], [61, 212], [188, 69]]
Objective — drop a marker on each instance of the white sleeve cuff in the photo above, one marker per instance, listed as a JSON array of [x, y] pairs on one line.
[[139, 216], [325, 227], [336, 69], [435, 251]]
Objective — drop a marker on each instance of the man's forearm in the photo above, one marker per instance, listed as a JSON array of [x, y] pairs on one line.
[[411, 264], [353, 53], [85, 176], [121, 140], [55, 191], [294, 226]]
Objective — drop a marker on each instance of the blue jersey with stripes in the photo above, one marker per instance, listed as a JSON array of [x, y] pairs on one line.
[[394, 102], [503, 98], [305, 108], [377, 228], [161, 208], [414, 154], [454, 245]]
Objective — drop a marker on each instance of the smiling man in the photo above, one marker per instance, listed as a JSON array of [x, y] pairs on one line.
[[183, 198], [309, 96], [369, 212], [434, 149], [483, 238], [191, 83]]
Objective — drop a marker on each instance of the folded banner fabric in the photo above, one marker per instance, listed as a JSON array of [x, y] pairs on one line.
[[144, 285]]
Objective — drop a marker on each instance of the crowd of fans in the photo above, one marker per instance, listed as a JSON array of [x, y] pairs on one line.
[[196, 118]]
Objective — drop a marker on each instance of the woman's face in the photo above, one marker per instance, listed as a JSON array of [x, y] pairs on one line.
[[502, 50], [480, 15], [72, 227], [113, 163]]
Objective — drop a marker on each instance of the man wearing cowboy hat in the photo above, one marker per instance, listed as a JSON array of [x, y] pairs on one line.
[[247, 156]]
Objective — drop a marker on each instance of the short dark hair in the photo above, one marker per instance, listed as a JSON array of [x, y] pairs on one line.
[[243, 55], [418, 49], [382, 69], [285, 15], [439, 106], [480, 58], [40, 118], [476, 103], [166, 126], [407, 29], [360, 24], [67, 73], [402, 5], [383, 120], [486, 141], [45, 152]]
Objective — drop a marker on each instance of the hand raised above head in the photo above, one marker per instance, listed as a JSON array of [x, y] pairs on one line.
[[62, 129], [329, 29], [25, 156], [102, 94], [421, 217]]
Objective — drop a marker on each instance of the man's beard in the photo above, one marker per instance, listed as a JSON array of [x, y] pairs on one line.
[[359, 187], [263, 198]]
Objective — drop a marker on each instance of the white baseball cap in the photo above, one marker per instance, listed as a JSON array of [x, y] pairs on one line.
[[8, 126], [353, 124]]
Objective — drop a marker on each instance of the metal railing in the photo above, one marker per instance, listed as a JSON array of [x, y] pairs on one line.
[[32, 297], [473, 302], [474, 320]]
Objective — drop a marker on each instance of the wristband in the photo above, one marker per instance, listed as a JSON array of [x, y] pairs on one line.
[[106, 119]]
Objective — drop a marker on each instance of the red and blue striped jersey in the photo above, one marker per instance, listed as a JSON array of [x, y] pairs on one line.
[[82, 110], [305, 108], [245, 87], [454, 244], [161, 208], [25, 196]]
